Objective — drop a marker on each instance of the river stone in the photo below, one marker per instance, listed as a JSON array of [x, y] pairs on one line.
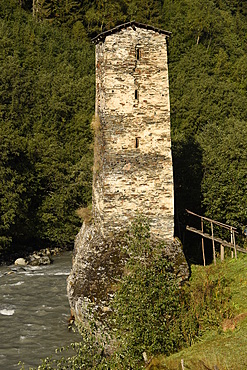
[[20, 262], [36, 260], [33, 261], [45, 260]]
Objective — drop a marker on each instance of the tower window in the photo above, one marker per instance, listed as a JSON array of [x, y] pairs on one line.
[[136, 94], [138, 53], [137, 142]]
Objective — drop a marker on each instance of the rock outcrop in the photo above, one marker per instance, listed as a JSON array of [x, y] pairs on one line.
[[98, 264]]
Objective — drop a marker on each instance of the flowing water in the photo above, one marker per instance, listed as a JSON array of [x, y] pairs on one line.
[[34, 312]]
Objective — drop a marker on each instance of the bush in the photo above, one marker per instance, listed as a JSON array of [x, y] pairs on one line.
[[205, 301], [147, 304]]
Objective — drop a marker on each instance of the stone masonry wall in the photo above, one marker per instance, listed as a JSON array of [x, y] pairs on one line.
[[135, 171]]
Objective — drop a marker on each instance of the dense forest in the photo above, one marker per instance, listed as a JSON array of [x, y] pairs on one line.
[[47, 104]]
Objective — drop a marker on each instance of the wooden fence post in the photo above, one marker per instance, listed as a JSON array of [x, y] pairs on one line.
[[234, 243], [203, 251], [222, 250], [216, 239], [212, 231], [231, 241]]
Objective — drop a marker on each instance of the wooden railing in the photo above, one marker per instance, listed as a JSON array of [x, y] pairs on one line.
[[223, 243]]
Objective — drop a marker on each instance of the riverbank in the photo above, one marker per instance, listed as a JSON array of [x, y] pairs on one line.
[[29, 253]]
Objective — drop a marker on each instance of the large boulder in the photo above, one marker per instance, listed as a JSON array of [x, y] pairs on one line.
[[20, 262], [97, 265]]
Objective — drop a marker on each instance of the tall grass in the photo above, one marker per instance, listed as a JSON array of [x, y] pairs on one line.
[[222, 343]]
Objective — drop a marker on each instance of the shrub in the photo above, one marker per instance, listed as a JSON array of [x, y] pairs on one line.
[[85, 213], [147, 304], [205, 301]]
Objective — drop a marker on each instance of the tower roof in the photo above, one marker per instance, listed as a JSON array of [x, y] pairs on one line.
[[132, 24]]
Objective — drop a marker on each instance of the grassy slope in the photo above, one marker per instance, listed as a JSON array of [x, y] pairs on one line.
[[222, 349]]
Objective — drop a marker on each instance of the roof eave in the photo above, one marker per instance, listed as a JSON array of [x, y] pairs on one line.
[[103, 35]]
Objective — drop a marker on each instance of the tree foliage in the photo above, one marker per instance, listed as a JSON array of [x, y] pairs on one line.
[[146, 304], [47, 100], [225, 171]]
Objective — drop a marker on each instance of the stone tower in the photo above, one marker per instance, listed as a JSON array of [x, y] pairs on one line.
[[133, 163]]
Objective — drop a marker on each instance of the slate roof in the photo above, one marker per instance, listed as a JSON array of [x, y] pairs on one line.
[[132, 24]]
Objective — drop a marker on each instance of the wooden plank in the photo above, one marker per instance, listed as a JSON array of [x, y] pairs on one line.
[[218, 240], [215, 222], [212, 231]]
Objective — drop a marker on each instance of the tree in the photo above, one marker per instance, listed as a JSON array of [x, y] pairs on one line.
[[224, 185], [145, 11], [104, 14], [47, 101], [14, 178]]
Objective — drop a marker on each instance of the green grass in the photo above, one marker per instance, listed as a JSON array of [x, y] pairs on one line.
[[225, 347]]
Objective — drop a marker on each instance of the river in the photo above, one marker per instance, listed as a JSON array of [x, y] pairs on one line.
[[34, 312]]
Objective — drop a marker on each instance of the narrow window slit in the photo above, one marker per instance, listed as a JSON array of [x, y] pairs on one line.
[[136, 94], [137, 142], [138, 54]]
